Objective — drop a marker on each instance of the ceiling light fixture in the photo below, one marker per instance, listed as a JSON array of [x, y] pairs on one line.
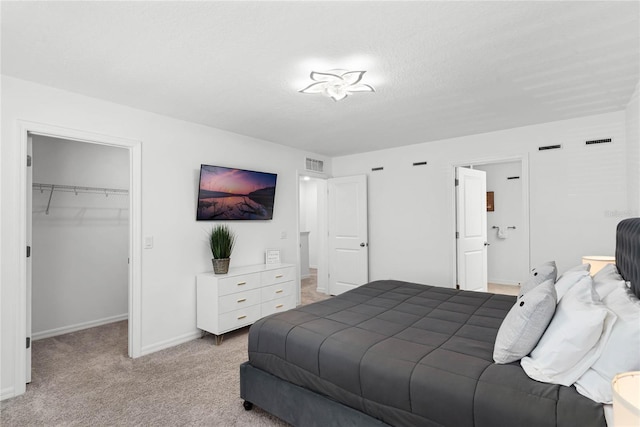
[[337, 84]]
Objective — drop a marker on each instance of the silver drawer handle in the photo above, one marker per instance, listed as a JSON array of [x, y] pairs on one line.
[[242, 283], [279, 291], [242, 300], [241, 317], [279, 305], [279, 276]]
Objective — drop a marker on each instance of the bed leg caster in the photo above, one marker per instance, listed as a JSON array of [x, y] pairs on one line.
[[247, 405]]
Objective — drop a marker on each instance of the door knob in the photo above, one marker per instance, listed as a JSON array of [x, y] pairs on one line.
[[362, 245], [487, 244]]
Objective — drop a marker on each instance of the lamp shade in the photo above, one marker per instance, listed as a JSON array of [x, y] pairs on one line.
[[626, 399], [597, 262]]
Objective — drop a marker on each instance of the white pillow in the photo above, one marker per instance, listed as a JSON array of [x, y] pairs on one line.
[[574, 339], [525, 323], [622, 351], [568, 279], [607, 279], [579, 267], [540, 274]]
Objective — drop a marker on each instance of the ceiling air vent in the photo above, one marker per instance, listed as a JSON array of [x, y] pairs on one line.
[[598, 141], [550, 147], [314, 165]]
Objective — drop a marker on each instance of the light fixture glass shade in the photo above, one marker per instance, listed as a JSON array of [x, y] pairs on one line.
[[337, 84], [626, 399], [597, 262]]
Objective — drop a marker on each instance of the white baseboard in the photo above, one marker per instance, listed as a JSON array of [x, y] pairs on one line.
[[77, 327], [321, 290], [170, 342], [7, 393]]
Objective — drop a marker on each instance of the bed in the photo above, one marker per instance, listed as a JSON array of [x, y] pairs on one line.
[[406, 354]]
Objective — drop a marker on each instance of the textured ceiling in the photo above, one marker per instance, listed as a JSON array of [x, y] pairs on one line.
[[440, 69]]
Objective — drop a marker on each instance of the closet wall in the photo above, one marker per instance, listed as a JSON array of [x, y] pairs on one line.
[[80, 248]]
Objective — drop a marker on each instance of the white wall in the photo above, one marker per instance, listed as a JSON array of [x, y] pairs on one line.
[[172, 151], [81, 247], [633, 154], [309, 217], [506, 258], [575, 193]]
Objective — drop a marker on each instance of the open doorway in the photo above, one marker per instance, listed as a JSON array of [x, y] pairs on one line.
[[313, 235], [333, 241], [507, 253], [27, 131], [80, 236], [507, 222]]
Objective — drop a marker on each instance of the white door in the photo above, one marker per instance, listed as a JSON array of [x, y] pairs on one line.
[[471, 217], [29, 197], [348, 237]]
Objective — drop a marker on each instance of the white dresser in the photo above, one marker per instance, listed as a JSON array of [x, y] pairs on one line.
[[242, 296]]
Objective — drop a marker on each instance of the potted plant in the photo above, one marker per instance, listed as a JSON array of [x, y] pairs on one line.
[[221, 241]]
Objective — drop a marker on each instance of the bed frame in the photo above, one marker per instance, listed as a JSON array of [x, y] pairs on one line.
[[302, 407]]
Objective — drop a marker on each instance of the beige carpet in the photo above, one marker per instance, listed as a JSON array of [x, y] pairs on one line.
[[496, 288], [86, 379], [308, 293]]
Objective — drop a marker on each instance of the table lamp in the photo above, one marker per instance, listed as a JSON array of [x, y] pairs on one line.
[[597, 262], [626, 399]]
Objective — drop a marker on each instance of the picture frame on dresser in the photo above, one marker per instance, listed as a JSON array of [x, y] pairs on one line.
[[242, 296], [272, 256]]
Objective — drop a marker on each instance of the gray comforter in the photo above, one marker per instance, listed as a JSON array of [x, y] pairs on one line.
[[412, 355]]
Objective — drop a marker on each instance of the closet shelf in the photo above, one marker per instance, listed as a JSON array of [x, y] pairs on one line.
[[76, 189]]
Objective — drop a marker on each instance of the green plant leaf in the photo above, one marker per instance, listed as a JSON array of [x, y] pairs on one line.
[[221, 241]]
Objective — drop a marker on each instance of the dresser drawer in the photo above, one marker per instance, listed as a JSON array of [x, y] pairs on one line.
[[239, 318], [278, 305], [230, 285], [244, 295], [279, 290], [239, 300], [279, 275]]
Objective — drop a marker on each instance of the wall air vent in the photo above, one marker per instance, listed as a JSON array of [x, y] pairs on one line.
[[419, 163], [598, 141], [314, 165], [379, 168], [550, 147]]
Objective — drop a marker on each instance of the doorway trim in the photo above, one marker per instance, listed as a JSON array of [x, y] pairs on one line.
[[524, 163], [135, 226]]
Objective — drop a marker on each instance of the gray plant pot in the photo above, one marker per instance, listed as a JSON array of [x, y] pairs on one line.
[[221, 266]]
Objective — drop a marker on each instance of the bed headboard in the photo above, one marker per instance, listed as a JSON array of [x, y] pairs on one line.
[[628, 252]]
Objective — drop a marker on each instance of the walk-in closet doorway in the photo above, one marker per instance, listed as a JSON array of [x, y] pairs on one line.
[[79, 236], [27, 130]]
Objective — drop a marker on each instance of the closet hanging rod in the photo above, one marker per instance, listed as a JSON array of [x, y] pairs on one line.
[[78, 189]]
